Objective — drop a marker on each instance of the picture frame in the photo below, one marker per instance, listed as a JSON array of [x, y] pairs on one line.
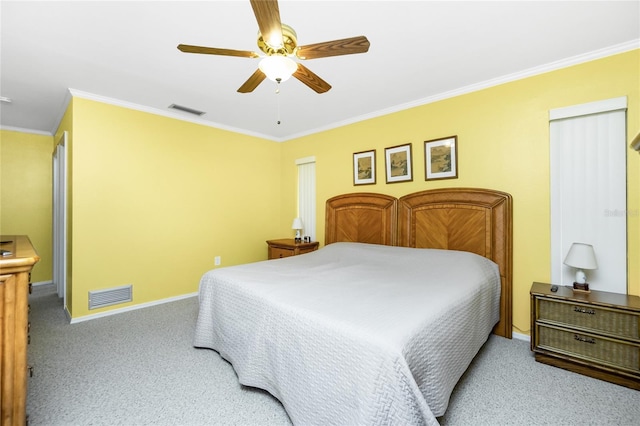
[[441, 158], [398, 163], [364, 167]]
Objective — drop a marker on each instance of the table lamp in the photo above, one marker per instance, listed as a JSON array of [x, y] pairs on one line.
[[297, 225], [581, 256]]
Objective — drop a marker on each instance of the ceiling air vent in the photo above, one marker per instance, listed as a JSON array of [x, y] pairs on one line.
[[187, 109]]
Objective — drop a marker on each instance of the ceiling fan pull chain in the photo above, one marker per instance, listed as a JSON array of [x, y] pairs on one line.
[[278, 99]]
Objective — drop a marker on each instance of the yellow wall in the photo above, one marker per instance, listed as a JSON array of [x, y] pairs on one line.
[[503, 143], [25, 188], [156, 199], [153, 200]]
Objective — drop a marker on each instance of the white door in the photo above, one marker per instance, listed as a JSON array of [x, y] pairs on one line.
[[60, 218]]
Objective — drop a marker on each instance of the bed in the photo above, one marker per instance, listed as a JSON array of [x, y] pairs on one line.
[[377, 326]]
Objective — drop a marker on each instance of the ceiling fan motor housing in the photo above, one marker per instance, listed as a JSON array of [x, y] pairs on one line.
[[289, 43]]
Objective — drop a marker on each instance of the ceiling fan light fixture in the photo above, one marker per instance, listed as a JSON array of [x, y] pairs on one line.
[[277, 67], [275, 42]]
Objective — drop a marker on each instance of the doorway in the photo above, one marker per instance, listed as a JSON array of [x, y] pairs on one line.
[[60, 218]]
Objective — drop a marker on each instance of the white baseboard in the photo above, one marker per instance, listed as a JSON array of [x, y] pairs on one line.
[[39, 283], [130, 308], [514, 334], [521, 336]]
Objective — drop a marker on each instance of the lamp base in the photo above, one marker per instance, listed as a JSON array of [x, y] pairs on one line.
[[581, 287]]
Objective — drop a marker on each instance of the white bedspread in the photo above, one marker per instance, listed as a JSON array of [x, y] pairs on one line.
[[353, 334]]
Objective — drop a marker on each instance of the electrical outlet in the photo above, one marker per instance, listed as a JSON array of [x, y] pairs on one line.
[[217, 260]]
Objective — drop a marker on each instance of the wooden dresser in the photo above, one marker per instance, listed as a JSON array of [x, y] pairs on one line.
[[288, 247], [15, 271], [596, 333]]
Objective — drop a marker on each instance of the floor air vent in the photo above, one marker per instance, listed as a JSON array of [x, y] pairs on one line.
[[110, 296]]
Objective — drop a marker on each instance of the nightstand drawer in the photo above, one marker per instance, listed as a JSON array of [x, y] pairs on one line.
[[277, 252], [304, 250], [597, 319], [618, 354], [288, 247]]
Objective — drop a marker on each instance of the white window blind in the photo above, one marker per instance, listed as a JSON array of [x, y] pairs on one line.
[[588, 190], [307, 195]]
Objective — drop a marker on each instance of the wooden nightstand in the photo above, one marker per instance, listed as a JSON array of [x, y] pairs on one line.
[[288, 247], [596, 334]]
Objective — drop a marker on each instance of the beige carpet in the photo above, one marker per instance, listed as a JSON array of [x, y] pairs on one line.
[[139, 368]]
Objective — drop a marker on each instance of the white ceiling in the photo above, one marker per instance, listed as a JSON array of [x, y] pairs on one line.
[[125, 53]]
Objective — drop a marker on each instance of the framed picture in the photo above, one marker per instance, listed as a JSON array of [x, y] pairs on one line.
[[364, 167], [441, 158], [398, 163]]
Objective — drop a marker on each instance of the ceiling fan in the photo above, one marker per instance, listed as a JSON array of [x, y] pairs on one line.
[[279, 42]]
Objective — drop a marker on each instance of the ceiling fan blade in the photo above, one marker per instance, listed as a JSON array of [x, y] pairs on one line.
[[310, 79], [345, 46], [253, 82], [268, 17], [215, 51]]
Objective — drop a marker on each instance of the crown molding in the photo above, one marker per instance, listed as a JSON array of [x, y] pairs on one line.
[[531, 72], [552, 66], [161, 112], [23, 130]]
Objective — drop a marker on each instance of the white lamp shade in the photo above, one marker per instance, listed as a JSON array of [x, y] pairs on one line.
[[581, 256], [278, 67], [297, 223]]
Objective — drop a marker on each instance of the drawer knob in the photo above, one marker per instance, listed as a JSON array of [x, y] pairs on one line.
[[582, 310], [584, 339]]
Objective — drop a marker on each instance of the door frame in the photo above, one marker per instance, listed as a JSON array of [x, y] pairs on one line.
[[60, 217]]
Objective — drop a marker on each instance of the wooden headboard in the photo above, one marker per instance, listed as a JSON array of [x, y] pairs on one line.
[[363, 218], [468, 219]]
